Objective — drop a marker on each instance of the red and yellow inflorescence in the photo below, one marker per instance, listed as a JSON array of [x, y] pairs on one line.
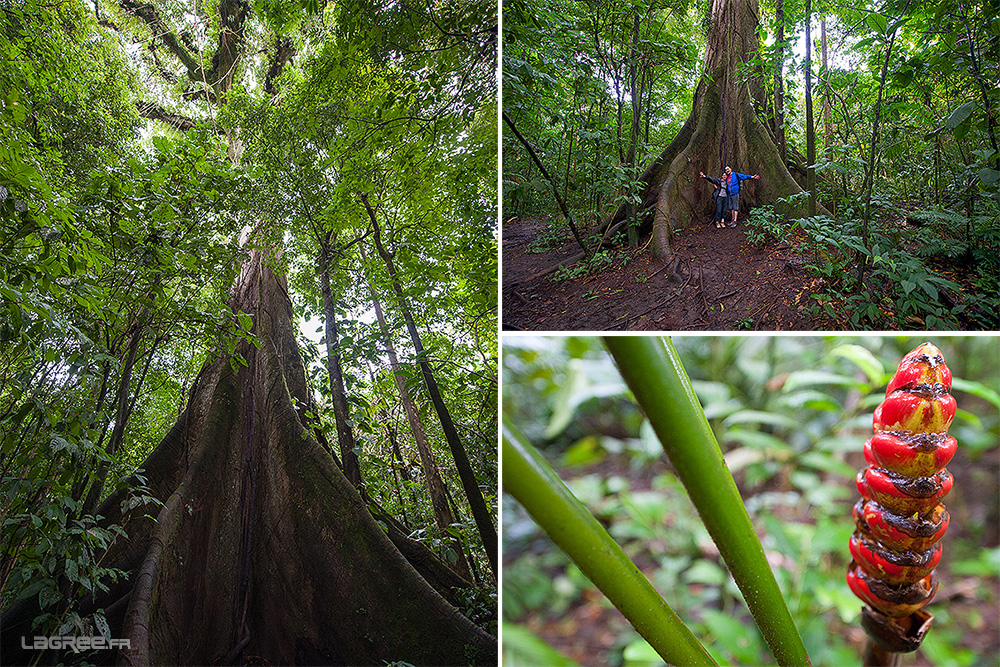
[[900, 519]]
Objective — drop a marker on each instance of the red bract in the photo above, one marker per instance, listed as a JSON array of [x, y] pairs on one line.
[[900, 519]]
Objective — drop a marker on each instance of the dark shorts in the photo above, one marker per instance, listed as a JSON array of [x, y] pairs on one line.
[[734, 202]]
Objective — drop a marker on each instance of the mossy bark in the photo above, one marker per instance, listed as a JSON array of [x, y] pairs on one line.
[[722, 130], [263, 551]]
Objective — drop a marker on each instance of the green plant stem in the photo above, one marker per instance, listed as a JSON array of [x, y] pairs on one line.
[[656, 376], [533, 483]]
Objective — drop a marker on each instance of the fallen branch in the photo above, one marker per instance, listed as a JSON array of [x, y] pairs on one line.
[[727, 295], [555, 267]]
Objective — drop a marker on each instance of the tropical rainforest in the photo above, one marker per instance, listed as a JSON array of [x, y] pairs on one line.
[[248, 332], [873, 128]]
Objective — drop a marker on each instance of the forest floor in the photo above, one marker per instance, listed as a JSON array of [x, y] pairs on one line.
[[722, 283]]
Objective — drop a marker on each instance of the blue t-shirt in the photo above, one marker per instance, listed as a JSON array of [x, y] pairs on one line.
[[733, 185]]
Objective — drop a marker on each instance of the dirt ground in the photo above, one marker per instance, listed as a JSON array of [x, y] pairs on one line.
[[722, 283]]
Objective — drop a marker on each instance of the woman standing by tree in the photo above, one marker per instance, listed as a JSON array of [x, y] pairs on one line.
[[719, 199]]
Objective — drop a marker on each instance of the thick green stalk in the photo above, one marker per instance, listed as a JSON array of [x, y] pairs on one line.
[[654, 373], [534, 484]]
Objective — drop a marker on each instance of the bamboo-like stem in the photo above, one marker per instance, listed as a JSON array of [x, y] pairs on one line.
[[656, 376], [534, 484]]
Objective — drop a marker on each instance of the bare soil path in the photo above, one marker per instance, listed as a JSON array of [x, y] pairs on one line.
[[722, 282]]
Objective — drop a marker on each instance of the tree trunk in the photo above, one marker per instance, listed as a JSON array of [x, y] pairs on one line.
[[862, 257], [779, 82], [435, 486], [263, 551], [827, 123], [345, 436], [810, 126], [477, 503], [121, 414], [635, 93], [724, 104]]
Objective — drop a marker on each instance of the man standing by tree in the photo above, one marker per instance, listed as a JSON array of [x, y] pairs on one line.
[[732, 180]]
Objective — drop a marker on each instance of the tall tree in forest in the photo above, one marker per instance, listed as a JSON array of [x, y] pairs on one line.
[[779, 81], [810, 126], [480, 513], [239, 538], [722, 129], [345, 435], [263, 548], [827, 94], [435, 487]]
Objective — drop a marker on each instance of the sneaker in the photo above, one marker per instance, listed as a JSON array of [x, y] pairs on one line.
[[732, 224]]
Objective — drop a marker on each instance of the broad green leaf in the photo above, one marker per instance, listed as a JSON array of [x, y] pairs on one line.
[[863, 358], [876, 22], [959, 115]]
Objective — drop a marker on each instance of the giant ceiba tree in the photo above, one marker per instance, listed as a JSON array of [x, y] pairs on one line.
[[259, 549], [263, 551], [725, 127]]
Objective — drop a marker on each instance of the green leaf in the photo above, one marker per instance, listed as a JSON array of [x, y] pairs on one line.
[[863, 358], [959, 115], [989, 176], [876, 22], [798, 379], [521, 648], [759, 417], [102, 625]]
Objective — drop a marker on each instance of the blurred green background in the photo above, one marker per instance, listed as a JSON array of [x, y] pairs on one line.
[[791, 414]]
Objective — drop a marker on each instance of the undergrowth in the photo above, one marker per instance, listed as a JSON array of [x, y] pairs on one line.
[[901, 288]]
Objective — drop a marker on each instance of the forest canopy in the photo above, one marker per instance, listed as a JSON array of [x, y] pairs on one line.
[[154, 158]]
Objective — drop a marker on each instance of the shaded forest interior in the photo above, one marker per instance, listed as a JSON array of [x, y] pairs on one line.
[[874, 131], [248, 332]]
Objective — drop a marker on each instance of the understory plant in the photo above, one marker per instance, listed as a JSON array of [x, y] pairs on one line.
[[787, 412]]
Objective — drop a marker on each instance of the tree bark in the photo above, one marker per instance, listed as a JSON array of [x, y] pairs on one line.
[[263, 551], [674, 196], [779, 82], [345, 436], [443, 516], [480, 513], [810, 126], [827, 123]]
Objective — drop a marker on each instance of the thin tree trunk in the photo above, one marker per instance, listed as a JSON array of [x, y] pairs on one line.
[[862, 258], [779, 90], [974, 64], [435, 486], [636, 95], [555, 190], [121, 416], [810, 128], [345, 436], [477, 503], [827, 123]]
